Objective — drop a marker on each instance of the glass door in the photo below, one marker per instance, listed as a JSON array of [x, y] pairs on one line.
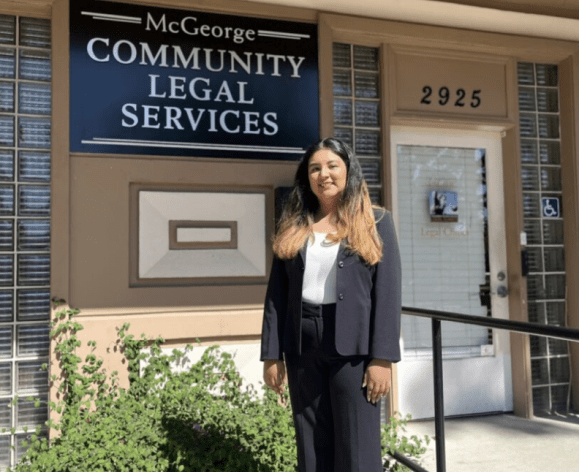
[[449, 213]]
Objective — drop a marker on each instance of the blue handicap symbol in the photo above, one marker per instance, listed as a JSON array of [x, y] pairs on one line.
[[550, 207]]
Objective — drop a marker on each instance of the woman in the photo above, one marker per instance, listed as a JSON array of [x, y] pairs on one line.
[[332, 308]]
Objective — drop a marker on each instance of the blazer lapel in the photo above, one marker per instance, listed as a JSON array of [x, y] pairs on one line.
[[302, 253], [343, 251]]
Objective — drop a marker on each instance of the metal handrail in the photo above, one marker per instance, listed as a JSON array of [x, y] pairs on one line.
[[408, 462], [526, 327], [537, 329]]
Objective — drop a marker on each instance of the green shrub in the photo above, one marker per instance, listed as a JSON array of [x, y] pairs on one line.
[[393, 440], [202, 419]]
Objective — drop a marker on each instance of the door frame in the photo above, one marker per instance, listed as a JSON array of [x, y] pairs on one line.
[[491, 142]]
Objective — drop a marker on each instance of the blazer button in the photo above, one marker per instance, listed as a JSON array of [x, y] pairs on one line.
[[341, 296], [341, 264]]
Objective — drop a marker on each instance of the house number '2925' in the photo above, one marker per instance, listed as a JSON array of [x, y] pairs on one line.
[[446, 97]]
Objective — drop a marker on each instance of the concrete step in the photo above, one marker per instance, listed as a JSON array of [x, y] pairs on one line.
[[504, 443]]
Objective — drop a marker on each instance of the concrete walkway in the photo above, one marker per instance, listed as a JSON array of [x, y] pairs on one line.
[[504, 443]]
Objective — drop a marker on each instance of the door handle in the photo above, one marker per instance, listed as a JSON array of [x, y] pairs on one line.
[[502, 291]]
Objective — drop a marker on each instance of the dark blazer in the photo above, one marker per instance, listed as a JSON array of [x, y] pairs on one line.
[[368, 302]]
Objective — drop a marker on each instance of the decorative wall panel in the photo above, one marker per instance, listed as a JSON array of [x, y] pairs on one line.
[[188, 236]]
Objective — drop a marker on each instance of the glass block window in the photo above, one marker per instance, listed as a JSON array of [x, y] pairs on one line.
[[356, 86], [543, 219], [25, 133]]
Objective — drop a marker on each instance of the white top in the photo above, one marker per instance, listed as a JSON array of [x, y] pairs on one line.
[[319, 285]]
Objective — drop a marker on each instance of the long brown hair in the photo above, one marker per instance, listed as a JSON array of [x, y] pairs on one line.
[[355, 213]]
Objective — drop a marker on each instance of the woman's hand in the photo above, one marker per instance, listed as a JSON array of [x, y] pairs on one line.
[[377, 379], [274, 375]]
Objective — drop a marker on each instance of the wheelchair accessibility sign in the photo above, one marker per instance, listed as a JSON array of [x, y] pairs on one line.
[[550, 207]]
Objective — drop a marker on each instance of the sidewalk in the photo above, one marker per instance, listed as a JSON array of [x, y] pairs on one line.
[[503, 443]]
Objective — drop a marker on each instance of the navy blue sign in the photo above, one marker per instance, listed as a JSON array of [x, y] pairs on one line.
[[550, 207], [146, 80]]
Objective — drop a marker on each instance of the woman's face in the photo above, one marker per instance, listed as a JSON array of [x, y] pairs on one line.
[[328, 174]]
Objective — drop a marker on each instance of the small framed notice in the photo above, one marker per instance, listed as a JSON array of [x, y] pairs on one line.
[[443, 205]]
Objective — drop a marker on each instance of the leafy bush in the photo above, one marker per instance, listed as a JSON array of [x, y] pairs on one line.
[[393, 440], [202, 419]]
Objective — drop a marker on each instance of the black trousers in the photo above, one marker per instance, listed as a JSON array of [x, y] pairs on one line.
[[337, 429]]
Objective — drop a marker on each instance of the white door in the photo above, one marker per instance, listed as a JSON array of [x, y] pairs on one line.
[[449, 212]]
